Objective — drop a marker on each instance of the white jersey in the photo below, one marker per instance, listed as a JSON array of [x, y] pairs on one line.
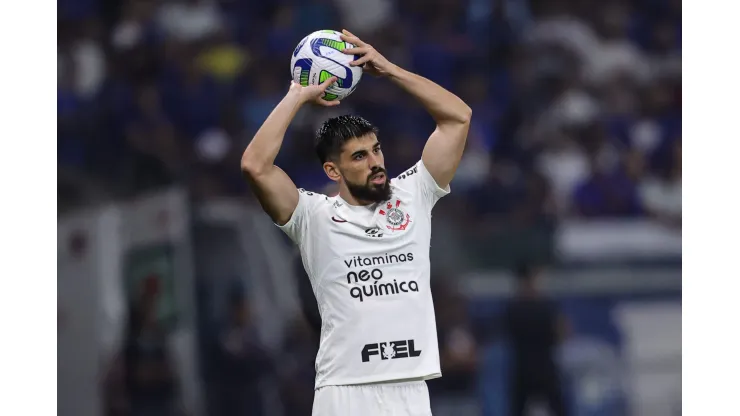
[[369, 268]]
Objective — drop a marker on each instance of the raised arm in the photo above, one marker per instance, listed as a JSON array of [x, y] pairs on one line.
[[275, 191], [444, 149]]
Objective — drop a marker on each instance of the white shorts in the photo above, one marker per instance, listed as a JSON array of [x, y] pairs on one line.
[[387, 399]]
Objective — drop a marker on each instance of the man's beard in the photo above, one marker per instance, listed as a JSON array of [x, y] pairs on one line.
[[370, 192]]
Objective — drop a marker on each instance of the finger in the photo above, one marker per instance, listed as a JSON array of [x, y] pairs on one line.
[[352, 39], [349, 39], [365, 58], [357, 50], [348, 32], [324, 85], [325, 103]]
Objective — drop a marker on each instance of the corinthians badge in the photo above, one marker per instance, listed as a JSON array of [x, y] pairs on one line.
[[396, 218]]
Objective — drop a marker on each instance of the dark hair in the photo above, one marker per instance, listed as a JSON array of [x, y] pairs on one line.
[[336, 131]]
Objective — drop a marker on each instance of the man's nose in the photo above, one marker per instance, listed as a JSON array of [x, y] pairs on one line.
[[373, 161]]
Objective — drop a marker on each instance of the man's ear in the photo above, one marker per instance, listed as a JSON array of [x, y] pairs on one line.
[[332, 171]]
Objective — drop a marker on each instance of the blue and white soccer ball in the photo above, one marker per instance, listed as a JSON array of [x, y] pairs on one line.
[[318, 57]]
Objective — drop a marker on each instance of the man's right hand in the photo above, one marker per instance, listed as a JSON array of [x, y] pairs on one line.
[[314, 93]]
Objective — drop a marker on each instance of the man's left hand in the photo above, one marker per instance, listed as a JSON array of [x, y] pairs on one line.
[[372, 61]]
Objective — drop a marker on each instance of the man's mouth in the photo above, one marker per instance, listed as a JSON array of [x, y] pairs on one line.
[[378, 178]]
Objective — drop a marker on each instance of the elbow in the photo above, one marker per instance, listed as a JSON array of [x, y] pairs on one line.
[[251, 166], [459, 118], [466, 114], [463, 115]]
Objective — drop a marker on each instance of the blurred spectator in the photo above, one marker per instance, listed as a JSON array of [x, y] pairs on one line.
[[666, 58], [242, 363], [455, 393], [615, 54], [223, 59], [566, 165], [191, 98], [281, 34], [476, 161], [297, 374], [115, 398], [662, 193], [316, 14], [610, 193], [535, 328], [136, 26], [80, 57], [268, 92], [153, 142], [365, 16], [150, 379], [189, 20], [309, 305]]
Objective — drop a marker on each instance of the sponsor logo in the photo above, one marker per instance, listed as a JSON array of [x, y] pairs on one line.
[[359, 261], [367, 281], [374, 232], [338, 220], [396, 218], [390, 350]]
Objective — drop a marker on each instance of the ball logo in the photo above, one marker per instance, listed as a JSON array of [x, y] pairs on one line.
[[396, 218]]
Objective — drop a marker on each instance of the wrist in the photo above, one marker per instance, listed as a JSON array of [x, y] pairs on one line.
[[394, 72], [294, 96]]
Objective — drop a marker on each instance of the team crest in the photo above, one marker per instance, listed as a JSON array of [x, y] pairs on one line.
[[396, 218]]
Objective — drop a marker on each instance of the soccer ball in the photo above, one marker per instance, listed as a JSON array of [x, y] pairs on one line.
[[318, 57]]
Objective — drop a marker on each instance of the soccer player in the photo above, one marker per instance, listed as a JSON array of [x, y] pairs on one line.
[[366, 251]]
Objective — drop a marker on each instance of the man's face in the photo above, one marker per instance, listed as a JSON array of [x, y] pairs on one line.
[[362, 168]]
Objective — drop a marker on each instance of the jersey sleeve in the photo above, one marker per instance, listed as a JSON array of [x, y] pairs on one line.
[[297, 227], [419, 181]]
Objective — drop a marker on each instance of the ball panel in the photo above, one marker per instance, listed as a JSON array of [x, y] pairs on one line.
[[329, 96], [300, 45], [302, 70]]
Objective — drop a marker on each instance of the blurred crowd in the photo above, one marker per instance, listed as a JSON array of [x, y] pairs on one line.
[[577, 104], [576, 113]]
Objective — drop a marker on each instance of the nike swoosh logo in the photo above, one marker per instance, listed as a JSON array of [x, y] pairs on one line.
[[336, 220]]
